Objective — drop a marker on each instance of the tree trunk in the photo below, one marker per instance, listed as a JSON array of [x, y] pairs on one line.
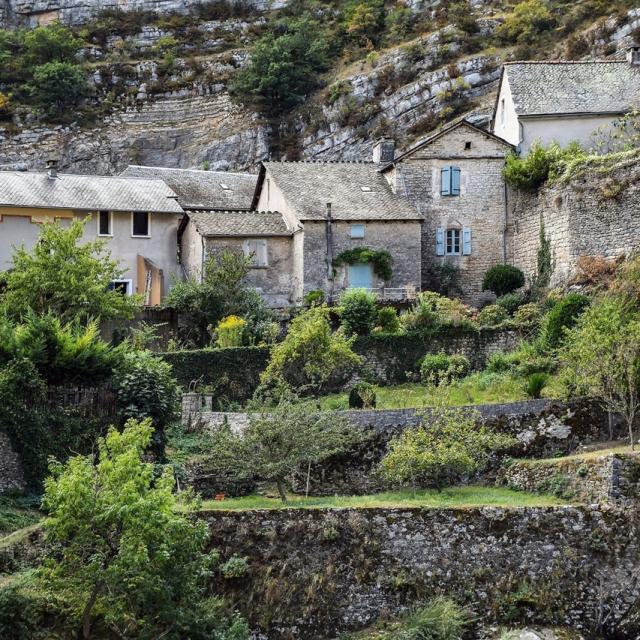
[[633, 444], [88, 608], [283, 495]]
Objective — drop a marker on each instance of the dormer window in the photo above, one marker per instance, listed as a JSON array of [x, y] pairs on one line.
[[366, 189], [225, 187]]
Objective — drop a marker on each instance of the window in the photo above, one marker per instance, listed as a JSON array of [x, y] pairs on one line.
[[257, 250], [121, 286], [450, 181], [140, 225], [467, 145], [453, 242], [365, 189], [357, 231], [104, 223]]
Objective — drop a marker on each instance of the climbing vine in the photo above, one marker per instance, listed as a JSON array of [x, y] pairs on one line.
[[545, 264], [380, 260]]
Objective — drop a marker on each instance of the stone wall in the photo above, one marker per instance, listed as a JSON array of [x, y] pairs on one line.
[[315, 573], [541, 427], [606, 478], [11, 474], [592, 215]]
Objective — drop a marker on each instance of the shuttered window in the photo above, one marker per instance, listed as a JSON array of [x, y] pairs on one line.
[[453, 242], [466, 242], [450, 181], [257, 251]]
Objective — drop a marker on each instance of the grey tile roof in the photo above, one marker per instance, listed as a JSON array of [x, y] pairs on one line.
[[356, 191], [203, 189], [90, 193], [239, 223], [573, 87]]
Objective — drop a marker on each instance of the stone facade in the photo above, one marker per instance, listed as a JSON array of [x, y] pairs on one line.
[[11, 474], [605, 478], [480, 207], [593, 214], [316, 573]]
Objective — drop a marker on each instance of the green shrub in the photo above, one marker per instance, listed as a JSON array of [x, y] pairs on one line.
[[380, 260], [314, 298], [362, 396], [492, 315], [528, 19], [528, 314], [511, 302], [388, 320], [22, 613], [440, 619], [440, 365], [524, 361], [229, 332], [503, 278], [58, 86], [234, 567], [431, 310], [358, 311], [536, 382], [561, 317]]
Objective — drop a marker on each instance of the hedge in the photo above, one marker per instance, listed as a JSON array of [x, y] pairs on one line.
[[233, 373]]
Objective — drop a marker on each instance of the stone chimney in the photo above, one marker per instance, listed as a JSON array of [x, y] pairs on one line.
[[52, 168], [384, 150], [633, 55]]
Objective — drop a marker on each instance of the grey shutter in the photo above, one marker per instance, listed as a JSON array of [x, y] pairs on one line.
[[445, 181], [466, 242], [439, 242], [455, 181]]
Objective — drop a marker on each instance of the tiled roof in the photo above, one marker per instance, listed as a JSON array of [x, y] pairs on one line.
[[203, 189], [573, 87], [90, 193], [356, 191], [239, 223]]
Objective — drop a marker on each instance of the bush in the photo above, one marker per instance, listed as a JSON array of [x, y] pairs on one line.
[[57, 86], [234, 567], [511, 302], [492, 315], [432, 310], [528, 314], [313, 298], [229, 332], [562, 316], [442, 366], [440, 619], [528, 19], [502, 279], [362, 396], [536, 382], [358, 311], [21, 614], [388, 320], [524, 361]]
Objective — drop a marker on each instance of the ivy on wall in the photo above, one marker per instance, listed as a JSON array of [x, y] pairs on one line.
[[380, 260]]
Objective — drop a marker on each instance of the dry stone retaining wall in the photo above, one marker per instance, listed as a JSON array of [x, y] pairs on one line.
[[315, 573], [11, 474]]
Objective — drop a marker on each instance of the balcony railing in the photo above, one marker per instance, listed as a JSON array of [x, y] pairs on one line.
[[393, 294]]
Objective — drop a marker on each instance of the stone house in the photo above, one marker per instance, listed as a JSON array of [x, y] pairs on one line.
[[336, 210], [559, 101], [454, 178], [137, 218]]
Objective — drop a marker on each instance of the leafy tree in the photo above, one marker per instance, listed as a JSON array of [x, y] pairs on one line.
[[221, 293], [56, 86], [66, 277], [602, 354], [123, 553], [51, 43], [364, 22], [310, 354], [503, 278], [279, 442], [358, 311], [284, 65], [528, 19], [449, 443]]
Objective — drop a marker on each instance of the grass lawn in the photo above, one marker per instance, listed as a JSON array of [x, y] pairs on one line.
[[455, 497], [478, 388], [17, 513]]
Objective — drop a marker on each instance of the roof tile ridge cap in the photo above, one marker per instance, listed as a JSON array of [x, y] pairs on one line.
[[550, 62]]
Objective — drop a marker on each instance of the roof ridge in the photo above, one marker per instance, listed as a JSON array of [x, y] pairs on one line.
[[540, 62], [231, 173], [311, 161], [242, 211]]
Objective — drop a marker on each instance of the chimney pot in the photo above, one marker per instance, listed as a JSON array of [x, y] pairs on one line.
[[633, 55], [384, 150], [52, 167]]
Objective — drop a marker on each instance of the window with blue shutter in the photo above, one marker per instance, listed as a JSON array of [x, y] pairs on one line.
[[439, 242], [450, 181], [466, 242], [445, 181]]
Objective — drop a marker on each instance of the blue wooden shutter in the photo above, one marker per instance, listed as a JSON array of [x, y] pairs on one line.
[[466, 242], [445, 181], [439, 242], [455, 181]]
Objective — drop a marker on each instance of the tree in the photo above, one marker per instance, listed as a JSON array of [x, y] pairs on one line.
[[449, 443], [123, 552], [284, 65], [66, 277], [279, 442], [528, 19], [602, 354], [56, 86], [358, 311], [50, 43], [310, 354]]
